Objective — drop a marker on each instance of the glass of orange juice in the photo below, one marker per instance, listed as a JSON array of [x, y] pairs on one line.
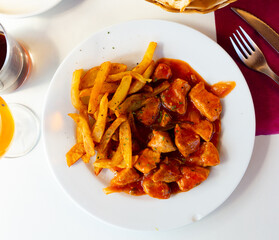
[[19, 129]]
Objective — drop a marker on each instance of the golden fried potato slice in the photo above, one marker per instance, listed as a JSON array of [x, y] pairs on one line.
[[86, 133], [76, 102], [120, 93], [100, 79], [138, 85], [88, 79], [86, 158], [101, 121], [109, 132], [147, 58], [162, 87], [125, 141], [131, 104], [107, 87], [75, 153], [79, 136], [135, 75], [110, 163]]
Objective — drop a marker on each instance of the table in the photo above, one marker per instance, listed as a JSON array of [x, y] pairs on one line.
[[33, 206]]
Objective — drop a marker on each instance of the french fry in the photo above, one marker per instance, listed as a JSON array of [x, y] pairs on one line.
[[147, 88], [100, 124], [85, 100], [101, 77], [135, 75], [79, 136], [88, 79], [97, 170], [100, 156], [123, 164], [120, 93], [83, 112], [86, 158], [117, 68], [107, 87], [162, 87], [109, 132], [115, 136], [133, 125], [125, 141], [132, 103], [86, 133], [138, 85], [147, 58], [77, 103], [110, 163], [75, 153]]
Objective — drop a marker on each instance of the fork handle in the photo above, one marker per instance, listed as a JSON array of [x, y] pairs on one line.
[[267, 71]]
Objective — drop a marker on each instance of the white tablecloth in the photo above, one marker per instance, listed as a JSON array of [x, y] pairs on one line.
[[33, 206]]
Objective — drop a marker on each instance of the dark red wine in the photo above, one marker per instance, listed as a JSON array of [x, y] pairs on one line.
[[3, 49]]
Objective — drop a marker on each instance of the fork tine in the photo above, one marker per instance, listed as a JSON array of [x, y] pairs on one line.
[[249, 49], [241, 46], [239, 53], [253, 44]]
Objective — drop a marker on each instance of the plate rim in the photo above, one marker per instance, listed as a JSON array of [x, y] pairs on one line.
[[31, 13]]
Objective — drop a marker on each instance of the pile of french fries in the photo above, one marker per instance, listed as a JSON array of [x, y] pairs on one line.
[[105, 98]]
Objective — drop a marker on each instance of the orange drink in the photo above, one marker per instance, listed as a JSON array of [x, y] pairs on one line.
[[7, 127]]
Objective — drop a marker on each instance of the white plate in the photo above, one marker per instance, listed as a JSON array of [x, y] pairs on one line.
[[127, 43], [25, 8]]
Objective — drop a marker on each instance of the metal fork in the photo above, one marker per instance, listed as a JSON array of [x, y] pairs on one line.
[[252, 56]]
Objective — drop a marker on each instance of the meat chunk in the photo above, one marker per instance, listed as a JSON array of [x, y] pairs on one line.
[[164, 118], [174, 98], [147, 160], [204, 128], [149, 112], [186, 140], [126, 176], [192, 176], [206, 156], [192, 114], [222, 89], [207, 103], [169, 171], [161, 142], [162, 71], [159, 190]]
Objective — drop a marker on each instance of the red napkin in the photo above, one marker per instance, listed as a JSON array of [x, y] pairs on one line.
[[265, 92]]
